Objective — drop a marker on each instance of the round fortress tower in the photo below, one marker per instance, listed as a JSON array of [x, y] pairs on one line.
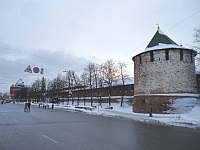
[[163, 72]]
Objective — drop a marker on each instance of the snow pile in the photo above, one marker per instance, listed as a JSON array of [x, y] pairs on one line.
[[193, 115], [190, 119], [183, 105]]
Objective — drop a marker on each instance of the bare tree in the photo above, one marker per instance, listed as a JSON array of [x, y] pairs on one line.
[[123, 75], [43, 88], [50, 89], [63, 88], [77, 84], [97, 82], [101, 81], [36, 89], [83, 80], [69, 84], [56, 87], [109, 72], [196, 42], [89, 72]]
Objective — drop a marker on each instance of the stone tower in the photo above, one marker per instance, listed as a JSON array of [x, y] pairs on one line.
[[162, 73]]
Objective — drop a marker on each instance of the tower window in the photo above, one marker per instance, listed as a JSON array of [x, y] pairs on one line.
[[151, 56], [181, 54], [167, 54], [140, 59], [191, 56]]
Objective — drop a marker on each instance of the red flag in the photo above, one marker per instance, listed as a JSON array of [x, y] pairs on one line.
[[28, 69]]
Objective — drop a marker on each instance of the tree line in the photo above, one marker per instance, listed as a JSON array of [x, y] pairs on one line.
[[93, 76]]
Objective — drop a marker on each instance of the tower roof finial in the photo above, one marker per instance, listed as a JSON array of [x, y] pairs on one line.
[[158, 27]]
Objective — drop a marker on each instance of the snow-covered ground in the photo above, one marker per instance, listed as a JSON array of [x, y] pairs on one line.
[[189, 116]]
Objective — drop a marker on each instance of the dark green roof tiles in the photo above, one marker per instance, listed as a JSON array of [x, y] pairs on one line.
[[161, 41]]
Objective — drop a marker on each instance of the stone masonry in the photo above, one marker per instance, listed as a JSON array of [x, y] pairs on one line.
[[160, 76]]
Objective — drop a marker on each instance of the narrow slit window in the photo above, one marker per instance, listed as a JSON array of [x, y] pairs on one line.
[[140, 59], [151, 56], [191, 56], [167, 54], [181, 54]]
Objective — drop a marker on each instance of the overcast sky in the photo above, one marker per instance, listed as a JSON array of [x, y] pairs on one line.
[[66, 34]]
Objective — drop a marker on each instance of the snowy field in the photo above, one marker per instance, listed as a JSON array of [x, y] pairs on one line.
[[189, 115]]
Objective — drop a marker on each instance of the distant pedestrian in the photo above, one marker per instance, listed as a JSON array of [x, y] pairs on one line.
[[150, 113], [29, 106], [52, 106], [26, 107]]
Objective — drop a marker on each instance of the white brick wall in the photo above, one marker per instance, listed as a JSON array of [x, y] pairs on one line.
[[164, 76]]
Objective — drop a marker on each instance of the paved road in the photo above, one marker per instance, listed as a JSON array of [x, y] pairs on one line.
[[46, 129]]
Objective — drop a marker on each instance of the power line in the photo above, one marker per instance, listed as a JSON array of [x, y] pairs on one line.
[[103, 35], [183, 20], [45, 67], [164, 31], [80, 25], [83, 27], [11, 49]]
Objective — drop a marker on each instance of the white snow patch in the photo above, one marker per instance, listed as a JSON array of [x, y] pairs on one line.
[[163, 46], [189, 116], [161, 32], [193, 115], [183, 105]]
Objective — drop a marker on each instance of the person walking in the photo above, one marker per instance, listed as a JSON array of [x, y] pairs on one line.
[[52, 106], [29, 106], [25, 106]]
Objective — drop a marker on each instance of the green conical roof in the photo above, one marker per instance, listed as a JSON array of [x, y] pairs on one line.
[[161, 41]]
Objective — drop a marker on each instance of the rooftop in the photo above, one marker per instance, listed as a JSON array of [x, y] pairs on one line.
[[161, 41]]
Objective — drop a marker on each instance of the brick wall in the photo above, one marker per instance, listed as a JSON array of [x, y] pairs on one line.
[[158, 104], [164, 76], [198, 82], [162, 72], [104, 92]]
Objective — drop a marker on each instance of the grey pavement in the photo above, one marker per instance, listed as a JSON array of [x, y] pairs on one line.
[[43, 129]]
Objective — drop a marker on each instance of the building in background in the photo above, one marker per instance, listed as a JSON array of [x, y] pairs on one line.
[[17, 90]]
